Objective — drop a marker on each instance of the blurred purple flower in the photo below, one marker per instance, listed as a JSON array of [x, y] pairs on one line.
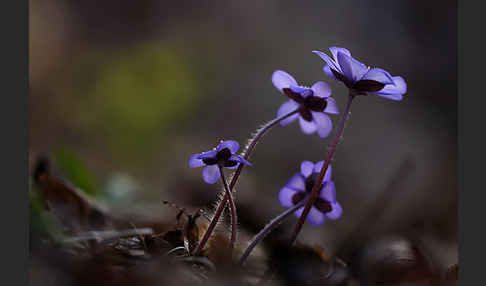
[[360, 78], [300, 186], [312, 104], [223, 155]]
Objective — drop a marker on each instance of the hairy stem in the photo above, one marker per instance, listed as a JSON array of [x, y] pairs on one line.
[[253, 142], [315, 190], [232, 210], [246, 154], [266, 230]]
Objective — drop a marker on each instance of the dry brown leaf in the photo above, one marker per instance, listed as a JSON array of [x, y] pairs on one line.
[[70, 206]]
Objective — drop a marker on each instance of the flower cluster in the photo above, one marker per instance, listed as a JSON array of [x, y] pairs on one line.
[[312, 104], [299, 187], [359, 78], [223, 155], [310, 194]]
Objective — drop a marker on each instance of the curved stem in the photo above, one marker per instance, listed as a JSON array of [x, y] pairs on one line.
[[232, 210], [253, 142], [266, 230], [315, 190], [219, 210]]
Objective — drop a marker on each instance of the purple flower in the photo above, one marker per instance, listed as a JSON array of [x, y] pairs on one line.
[[360, 78], [312, 104], [223, 155], [300, 186]]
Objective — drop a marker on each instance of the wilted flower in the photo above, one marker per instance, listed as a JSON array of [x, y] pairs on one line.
[[223, 155], [360, 78], [312, 104], [300, 186]]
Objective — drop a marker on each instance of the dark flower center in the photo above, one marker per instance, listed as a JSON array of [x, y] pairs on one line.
[[297, 197], [320, 203], [323, 205], [310, 182], [221, 158], [361, 87], [307, 104], [342, 78]]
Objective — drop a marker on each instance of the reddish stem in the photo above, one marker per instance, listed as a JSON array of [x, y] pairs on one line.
[[266, 230], [232, 210], [317, 186], [234, 179]]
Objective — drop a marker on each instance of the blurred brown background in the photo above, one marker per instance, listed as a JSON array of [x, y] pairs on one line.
[[123, 92]]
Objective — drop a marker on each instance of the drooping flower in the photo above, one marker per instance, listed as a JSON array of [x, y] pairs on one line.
[[359, 78], [223, 155], [299, 188], [313, 104]]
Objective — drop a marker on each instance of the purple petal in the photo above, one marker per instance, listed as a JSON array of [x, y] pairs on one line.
[[329, 73], [318, 167], [352, 69], [285, 109], [315, 217], [308, 127], [396, 97], [306, 168], [211, 174], [323, 123], [298, 212], [321, 89], [336, 212], [331, 106], [332, 64], [281, 80], [194, 161], [296, 182], [328, 192], [304, 91], [298, 88], [239, 159], [335, 50], [378, 75], [285, 196], [208, 154], [394, 91], [307, 92], [232, 145]]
